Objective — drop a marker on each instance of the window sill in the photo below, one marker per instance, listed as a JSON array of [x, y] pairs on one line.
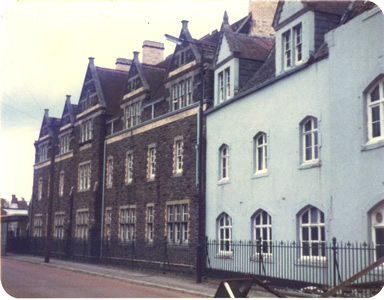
[[128, 182], [150, 179], [223, 181], [312, 261], [85, 145], [372, 145], [260, 174], [224, 255], [310, 165], [177, 174], [82, 191], [265, 257]]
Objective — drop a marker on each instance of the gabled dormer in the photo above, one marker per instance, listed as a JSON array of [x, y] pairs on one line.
[[238, 56], [300, 28], [67, 122], [141, 88], [91, 97], [43, 145]]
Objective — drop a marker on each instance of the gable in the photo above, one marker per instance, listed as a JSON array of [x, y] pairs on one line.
[[91, 92], [286, 11], [224, 50]]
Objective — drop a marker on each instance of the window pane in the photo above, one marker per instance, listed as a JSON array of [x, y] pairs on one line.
[[265, 218], [304, 218], [375, 95], [308, 126], [305, 234], [376, 131], [314, 215], [314, 234], [375, 113]]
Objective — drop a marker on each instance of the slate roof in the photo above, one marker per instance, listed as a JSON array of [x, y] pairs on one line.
[[112, 83], [248, 46]]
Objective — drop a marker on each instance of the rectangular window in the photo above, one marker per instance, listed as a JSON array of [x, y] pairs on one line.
[[107, 223], [59, 226], [178, 156], [181, 94], [151, 162], [61, 183], [227, 83], [109, 170], [38, 226], [129, 167], [150, 226], [375, 103], [86, 131], [298, 44], [82, 218], [43, 152], [84, 177], [127, 223], [287, 49], [64, 143], [177, 223], [310, 140], [224, 85], [40, 189], [132, 115]]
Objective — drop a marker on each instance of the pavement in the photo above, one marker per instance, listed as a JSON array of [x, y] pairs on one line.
[[169, 281]]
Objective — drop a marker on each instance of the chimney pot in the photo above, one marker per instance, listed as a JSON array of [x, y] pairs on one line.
[[185, 24], [136, 55]]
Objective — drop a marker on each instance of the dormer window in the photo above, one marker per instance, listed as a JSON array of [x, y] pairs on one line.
[[132, 115], [292, 47], [224, 87], [181, 94]]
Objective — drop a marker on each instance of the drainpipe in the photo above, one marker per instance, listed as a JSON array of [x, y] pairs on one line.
[[102, 201], [47, 250]]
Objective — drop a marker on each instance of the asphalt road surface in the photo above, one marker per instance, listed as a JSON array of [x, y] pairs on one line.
[[26, 280]]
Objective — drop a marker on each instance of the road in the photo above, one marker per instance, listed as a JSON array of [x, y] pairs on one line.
[[27, 280]]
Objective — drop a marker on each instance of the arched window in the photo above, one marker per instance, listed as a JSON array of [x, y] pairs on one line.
[[312, 232], [224, 162], [309, 140], [375, 109], [260, 153], [224, 226], [262, 230], [377, 220]]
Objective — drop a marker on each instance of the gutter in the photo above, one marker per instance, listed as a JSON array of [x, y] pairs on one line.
[[102, 202]]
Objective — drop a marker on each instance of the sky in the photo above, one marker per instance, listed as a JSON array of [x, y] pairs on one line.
[[44, 51]]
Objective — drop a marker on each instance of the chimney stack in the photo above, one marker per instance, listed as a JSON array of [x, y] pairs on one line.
[[262, 17], [153, 52], [123, 64]]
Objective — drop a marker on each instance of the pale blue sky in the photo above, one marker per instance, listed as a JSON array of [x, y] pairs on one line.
[[45, 47]]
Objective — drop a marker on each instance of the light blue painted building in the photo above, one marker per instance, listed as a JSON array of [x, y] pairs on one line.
[[298, 153]]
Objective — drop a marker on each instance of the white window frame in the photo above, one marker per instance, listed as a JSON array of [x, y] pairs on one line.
[[43, 152], [132, 114], [292, 47], [61, 183], [181, 94], [86, 130], [129, 167], [224, 163], [40, 189], [312, 223], [224, 234], [107, 223], [150, 227], [224, 84], [109, 171], [84, 176], [178, 149], [262, 231], [59, 225], [177, 223], [82, 224], [310, 140], [151, 173], [38, 225], [378, 105], [127, 223], [64, 143], [260, 153]]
